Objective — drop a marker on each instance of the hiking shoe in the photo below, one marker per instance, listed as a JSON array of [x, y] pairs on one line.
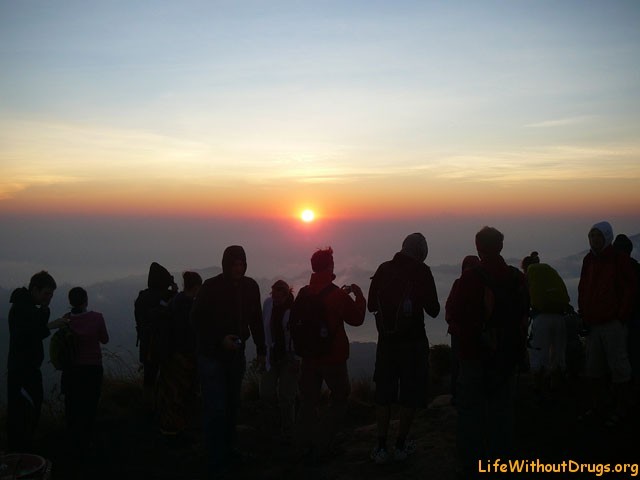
[[380, 456], [401, 454]]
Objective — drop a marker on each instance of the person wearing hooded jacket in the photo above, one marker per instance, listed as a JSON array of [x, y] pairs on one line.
[[152, 315], [606, 294], [402, 354], [28, 326], [226, 311]]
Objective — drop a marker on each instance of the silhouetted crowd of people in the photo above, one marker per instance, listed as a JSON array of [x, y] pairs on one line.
[[502, 320]]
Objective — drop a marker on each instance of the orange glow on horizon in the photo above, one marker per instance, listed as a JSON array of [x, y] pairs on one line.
[[359, 200]]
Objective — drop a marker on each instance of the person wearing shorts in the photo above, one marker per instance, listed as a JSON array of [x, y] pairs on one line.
[[605, 298], [402, 289]]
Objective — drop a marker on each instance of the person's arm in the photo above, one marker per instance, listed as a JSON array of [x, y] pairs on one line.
[[354, 309], [103, 335], [372, 301], [256, 323], [430, 295], [628, 282]]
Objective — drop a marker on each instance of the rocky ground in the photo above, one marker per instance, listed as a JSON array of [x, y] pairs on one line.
[[128, 447]]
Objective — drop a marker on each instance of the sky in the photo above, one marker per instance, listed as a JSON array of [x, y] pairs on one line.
[[131, 125]]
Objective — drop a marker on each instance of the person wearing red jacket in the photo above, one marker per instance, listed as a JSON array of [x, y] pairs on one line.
[[487, 312], [605, 300], [330, 367]]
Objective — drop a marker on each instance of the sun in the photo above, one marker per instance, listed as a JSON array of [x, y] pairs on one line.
[[307, 216]]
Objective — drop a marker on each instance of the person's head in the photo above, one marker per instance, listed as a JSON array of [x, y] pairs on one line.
[[489, 242], [78, 297], [280, 291], [234, 262], [41, 286], [415, 246], [600, 237], [192, 282], [322, 260], [529, 260], [159, 277], [469, 262], [623, 244]]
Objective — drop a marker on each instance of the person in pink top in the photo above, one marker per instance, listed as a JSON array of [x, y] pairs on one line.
[[82, 382]]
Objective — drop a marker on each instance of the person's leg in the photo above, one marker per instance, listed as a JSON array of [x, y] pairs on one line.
[[471, 407], [386, 378], [287, 389], [16, 411], [310, 384], [269, 397], [414, 383], [213, 378], [558, 364], [235, 374], [615, 347], [595, 369], [337, 380], [501, 416]]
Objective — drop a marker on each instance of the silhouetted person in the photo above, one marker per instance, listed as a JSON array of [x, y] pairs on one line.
[[329, 366], [488, 314], [152, 318], [548, 338], [402, 290], [226, 311], [606, 295], [470, 261], [532, 259], [279, 381], [82, 381], [178, 379], [28, 326], [624, 245]]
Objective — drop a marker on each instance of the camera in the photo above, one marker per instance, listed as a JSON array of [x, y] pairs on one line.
[[346, 288]]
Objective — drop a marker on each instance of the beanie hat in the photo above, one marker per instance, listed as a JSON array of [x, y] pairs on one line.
[[415, 246]]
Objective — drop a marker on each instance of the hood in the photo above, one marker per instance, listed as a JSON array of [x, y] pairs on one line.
[[470, 261], [159, 277], [20, 295], [230, 255], [415, 246], [607, 232]]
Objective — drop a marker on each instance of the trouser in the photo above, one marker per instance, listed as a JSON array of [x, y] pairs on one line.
[[315, 430], [279, 385], [221, 388], [486, 404], [81, 385], [24, 401]]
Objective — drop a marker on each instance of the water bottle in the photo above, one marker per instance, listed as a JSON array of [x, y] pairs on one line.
[[324, 333]]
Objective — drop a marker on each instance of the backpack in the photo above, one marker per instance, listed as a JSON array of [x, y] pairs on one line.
[[308, 323], [62, 348], [395, 315], [503, 339]]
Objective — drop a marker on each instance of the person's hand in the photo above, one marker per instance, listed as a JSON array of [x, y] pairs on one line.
[[231, 343], [357, 291]]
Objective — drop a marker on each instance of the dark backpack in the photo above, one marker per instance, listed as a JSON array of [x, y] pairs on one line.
[[395, 315], [308, 323], [62, 348], [504, 338]]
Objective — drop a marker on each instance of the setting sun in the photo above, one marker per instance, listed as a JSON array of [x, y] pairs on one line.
[[307, 216]]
